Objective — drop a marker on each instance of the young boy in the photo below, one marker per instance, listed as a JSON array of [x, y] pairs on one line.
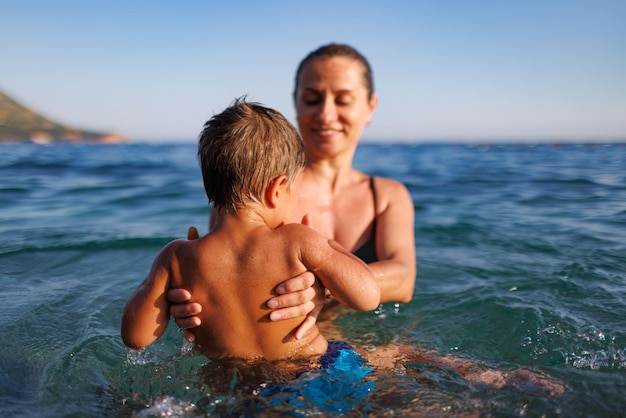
[[251, 159]]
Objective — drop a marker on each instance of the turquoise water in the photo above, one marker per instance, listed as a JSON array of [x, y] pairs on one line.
[[521, 257]]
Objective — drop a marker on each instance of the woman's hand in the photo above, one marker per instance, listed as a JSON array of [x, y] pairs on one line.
[[185, 313], [192, 233], [298, 296]]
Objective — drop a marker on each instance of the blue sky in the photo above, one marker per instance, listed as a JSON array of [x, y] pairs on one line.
[[444, 70]]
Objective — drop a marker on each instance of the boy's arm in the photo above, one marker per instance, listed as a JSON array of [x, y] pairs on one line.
[[146, 314], [347, 277]]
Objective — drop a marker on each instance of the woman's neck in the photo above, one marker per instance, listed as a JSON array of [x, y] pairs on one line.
[[332, 171]]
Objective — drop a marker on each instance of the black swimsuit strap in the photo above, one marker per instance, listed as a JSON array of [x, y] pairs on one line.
[[374, 198], [367, 251]]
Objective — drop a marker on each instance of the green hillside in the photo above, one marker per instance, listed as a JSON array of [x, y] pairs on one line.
[[21, 124]]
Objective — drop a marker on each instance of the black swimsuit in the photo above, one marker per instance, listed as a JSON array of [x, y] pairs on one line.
[[367, 251]]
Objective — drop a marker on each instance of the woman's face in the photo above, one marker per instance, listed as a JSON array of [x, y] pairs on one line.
[[332, 105]]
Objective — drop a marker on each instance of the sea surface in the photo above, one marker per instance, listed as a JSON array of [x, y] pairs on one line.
[[521, 255]]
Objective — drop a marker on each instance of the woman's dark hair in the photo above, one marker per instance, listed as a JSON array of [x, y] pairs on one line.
[[339, 50]]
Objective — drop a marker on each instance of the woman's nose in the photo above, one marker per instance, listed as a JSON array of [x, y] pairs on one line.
[[328, 111]]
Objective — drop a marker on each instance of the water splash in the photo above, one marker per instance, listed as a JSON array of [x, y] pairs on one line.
[[168, 406], [589, 348]]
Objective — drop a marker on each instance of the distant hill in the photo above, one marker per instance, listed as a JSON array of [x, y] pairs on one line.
[[21, 124]]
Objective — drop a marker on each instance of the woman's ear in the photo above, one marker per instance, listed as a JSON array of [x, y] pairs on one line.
[[275, 191], [373, 102]]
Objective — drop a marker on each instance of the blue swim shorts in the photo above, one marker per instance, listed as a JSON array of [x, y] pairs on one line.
[[338, 386]]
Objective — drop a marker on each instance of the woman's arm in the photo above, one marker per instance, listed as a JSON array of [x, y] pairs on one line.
[[395, 242]]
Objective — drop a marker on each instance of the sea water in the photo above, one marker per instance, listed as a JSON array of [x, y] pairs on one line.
[[521, 255]]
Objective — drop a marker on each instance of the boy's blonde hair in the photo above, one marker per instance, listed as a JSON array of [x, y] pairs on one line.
[[242, 149]]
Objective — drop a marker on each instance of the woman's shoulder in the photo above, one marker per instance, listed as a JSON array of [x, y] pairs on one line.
[[388, 187]]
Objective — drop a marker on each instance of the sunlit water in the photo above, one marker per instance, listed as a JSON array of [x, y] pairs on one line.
[[521, 257]]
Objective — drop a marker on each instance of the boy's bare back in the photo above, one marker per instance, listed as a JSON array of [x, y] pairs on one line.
[[232, 272]]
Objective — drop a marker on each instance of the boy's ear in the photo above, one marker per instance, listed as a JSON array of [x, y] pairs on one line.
[[275, 190]]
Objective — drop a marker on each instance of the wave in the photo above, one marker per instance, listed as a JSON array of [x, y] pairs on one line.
[[92, 246]]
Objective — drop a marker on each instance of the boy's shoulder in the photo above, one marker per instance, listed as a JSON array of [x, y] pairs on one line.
[[298, 231], [177, 243], [173, 247], [296, 228]]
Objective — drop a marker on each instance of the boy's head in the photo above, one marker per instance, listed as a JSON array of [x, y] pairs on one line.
[[242, 149]]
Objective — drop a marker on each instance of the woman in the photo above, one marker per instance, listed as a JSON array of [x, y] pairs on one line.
[[373, 217]]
